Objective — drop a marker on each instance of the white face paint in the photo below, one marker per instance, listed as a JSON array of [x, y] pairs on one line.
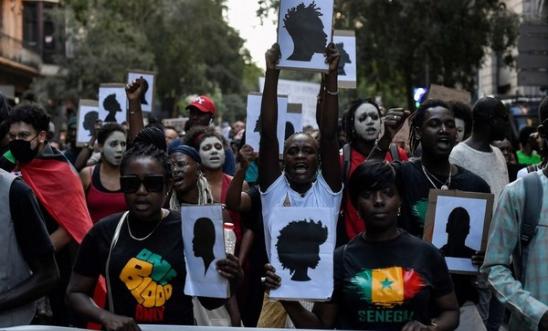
[[114, 148], [460, 125], [367, 122], [212, 153]]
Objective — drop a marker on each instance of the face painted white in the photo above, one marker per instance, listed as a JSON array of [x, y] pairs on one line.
[[367, 122], [212, 153], [460, 125], [114, 148]]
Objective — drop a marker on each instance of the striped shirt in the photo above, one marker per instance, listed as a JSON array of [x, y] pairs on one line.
[[528, 301]]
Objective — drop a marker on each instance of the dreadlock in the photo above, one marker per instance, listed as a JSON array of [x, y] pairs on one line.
[[141, 150], [417, 119]]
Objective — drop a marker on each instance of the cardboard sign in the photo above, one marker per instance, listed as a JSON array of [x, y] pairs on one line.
[[203, 239], [304, 30], [88, 115], [448, 94], [112, 103], [457, 223], [147, 101], [302, 243], [345, 40]]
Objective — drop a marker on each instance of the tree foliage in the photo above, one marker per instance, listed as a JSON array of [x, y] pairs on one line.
[[403, 44], [186, 42]]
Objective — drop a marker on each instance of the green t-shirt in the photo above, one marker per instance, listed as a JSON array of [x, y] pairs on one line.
[[534, 158]]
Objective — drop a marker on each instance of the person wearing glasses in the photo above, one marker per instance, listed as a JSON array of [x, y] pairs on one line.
[[140, 253]]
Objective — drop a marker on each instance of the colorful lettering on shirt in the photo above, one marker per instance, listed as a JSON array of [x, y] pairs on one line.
[[387, 287], [147, 277], [385, 316]]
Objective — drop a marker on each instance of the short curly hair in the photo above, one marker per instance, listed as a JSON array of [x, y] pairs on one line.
[[30, 113], [298, 16]]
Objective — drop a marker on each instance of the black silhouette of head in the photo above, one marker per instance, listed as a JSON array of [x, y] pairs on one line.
[[345, 58], [305, 27], [204, 240], [298, 247], [145, 89], [89, 121], [112, 106], [257, 125], [289, 130], [457, 228]]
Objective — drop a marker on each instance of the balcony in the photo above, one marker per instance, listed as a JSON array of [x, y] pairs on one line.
[[14, 55]]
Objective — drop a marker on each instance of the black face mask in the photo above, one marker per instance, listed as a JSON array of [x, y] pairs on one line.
[[21, 150]]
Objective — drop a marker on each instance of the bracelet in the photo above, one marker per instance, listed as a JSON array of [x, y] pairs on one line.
[[331, 92]]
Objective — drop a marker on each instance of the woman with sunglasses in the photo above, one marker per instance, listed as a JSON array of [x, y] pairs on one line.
[[385, 278], [140, 253]]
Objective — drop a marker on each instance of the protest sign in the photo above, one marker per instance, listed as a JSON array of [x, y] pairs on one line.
[[203, 238], [304, 30]]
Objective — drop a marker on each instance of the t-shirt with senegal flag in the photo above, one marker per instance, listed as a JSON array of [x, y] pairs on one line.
[[384, 285]]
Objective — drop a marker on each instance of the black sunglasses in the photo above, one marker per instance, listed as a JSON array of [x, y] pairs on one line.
[[131, 184]]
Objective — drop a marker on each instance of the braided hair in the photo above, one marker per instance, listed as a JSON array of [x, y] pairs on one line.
[[417, 119], [141, 150]]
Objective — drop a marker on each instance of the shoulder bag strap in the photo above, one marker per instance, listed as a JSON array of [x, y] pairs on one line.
[[531, 214], [112, 244]]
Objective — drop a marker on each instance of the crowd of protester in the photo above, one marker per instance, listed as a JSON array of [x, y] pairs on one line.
[[82, 225]]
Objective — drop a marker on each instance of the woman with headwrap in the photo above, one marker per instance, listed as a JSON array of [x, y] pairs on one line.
[[190, 187]]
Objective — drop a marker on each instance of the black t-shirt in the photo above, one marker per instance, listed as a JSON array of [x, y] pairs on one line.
[[384, 285], [147, 277], [414, 188], [28, 222]]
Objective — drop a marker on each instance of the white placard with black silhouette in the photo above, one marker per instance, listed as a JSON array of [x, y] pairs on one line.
[[203, 238], [304, 30], [292, 121], [252, 132], [302, 243], [345, 40], [88, 114], [112, 103], [147, 100], [457, 223]]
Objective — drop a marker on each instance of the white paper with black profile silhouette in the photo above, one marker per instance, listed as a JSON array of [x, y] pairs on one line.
[[203, 239], [302, 243], [345, 41], [292, 120], [457, 223], [252, 131], [304, 30], [112, 103], [147, 101], [88, 115]]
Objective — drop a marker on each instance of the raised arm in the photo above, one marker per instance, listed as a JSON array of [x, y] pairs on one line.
[[393, 122], [269, 167], [134, 91], [236, 199], [329, 146]]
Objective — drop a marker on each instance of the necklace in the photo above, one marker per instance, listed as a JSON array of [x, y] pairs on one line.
[[445, 186], [164, 214]]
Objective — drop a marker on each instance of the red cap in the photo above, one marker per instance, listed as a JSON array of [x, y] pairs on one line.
[[204, 104]]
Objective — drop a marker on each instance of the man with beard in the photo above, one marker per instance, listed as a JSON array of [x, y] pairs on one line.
[[57, 187]]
